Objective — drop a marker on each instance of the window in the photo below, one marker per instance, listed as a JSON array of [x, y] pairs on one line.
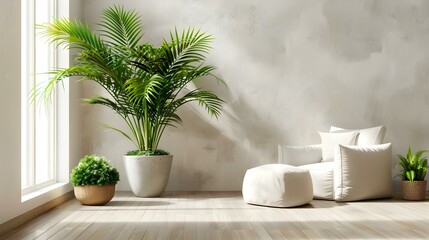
[[39, 120]]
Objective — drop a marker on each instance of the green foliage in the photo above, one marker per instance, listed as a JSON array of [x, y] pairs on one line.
[[414, 166], [145, 84], [147, 152], [94, 170]]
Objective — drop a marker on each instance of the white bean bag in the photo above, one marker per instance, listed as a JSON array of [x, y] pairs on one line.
[[277, 185]]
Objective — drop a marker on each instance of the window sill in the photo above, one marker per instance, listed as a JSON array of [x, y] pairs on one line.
[[44, 190]]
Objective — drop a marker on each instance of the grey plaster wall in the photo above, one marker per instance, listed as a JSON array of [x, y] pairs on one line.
[[293, 67]]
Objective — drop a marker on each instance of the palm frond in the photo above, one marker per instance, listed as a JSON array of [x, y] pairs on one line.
[[207, 99], [145, 88], [68, 34], [122, 27], [185, 49], [105, 102], [43, 91]]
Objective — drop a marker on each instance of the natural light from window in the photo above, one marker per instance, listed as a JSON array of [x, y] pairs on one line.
[[38, 118]]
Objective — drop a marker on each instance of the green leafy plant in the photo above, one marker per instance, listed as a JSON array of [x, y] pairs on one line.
[[145, 84], [414, 166], [147, 152], [94, 170]]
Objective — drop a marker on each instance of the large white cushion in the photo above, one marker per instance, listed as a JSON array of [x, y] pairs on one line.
[[322, 176], [367, 136], [331, 140], [299, 155], [277, 185], [363, 172]]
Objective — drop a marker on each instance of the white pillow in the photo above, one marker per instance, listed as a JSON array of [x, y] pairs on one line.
[[299, 155], [363, 172], [367, 136], [331, 140]]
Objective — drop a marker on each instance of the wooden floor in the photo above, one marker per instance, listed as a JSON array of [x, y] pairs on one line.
[[223, 215]]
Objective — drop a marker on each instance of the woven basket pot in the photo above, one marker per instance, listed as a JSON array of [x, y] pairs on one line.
[[415, 191], [94, 195]]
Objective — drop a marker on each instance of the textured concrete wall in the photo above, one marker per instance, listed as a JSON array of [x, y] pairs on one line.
[[292, 68]]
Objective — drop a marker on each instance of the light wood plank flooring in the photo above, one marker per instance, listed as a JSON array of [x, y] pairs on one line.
[[223, 215]]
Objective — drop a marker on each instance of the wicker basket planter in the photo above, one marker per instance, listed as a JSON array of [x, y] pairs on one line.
[[94, 195], [415, 191]]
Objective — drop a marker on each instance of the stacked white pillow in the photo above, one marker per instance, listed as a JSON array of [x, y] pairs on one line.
[[367, 136], [331, 140], [363, 171]]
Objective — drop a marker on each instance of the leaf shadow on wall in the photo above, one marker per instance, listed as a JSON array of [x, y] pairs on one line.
[[240, 125]]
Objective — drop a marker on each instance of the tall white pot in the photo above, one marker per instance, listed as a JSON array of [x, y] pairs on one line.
[[148, 175]]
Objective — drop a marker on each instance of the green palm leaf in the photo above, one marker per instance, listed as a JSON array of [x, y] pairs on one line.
[[185, 49], [123, 28], [68, 34]]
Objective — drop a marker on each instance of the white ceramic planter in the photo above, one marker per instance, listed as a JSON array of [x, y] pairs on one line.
[[148, 175]]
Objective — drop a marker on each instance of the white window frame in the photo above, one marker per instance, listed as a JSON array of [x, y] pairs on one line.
[[29, 109]]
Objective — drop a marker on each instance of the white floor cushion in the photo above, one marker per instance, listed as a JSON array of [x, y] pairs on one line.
[[322, 175], [277, 185], [363, 172]]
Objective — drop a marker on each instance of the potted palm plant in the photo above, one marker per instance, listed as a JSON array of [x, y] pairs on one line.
[[94, 180], [145, 84], [414, 168]]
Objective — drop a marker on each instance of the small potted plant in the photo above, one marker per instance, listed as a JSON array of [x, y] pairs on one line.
[[94, 180], [414, 168]]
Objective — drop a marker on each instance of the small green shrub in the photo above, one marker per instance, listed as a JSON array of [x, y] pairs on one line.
[[94, 170], [414, 166]]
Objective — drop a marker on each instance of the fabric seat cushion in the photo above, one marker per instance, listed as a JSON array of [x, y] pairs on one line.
[[322, 176], [299, 155]]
